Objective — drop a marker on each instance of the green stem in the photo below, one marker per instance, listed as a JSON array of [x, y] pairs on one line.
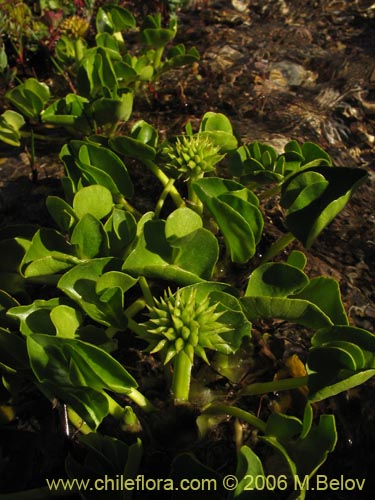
[[40, 137], [135, 327], [147, 294], [164, 179], [78, 51], [273, 386], [277, 247], [197, 205], [181, 377], [163, 197], [141, 401], [221, 409], [134, 308], [128, 207], [78, 422], [157, 59]]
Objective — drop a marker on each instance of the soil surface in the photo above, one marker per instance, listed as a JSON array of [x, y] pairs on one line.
[[280, 70]]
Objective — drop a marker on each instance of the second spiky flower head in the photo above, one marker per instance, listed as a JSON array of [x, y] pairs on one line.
[[192, 156], [180, 322]]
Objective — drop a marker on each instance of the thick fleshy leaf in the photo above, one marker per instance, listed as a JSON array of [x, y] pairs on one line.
[[85, 285], [169, 249], [10, 124], [105, 455], [113, 18], [66, 320], [311, 207], [106, 111], [62, 213], [89, 238], [90, 404], [325, 293], [235, 212], [121, 229], [29, 97], [94, 200], [101, 166], [249, 470], [49, 253], [70, 112], [141, 144], [35, 317], [341, 357], [218, 128], [305, 456], [294, 310], [275, 279], [56, 360]]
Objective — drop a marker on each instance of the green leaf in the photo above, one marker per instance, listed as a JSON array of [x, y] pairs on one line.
[[294, 310], [106, 111], [325, 293], [49, 253], [66, 320], [311, 207], [53, 359], [341, 357], [275, 280], [94, 200], [249, 468], [10, 124], [169, 249], [236, 212], [218, 128], [35, 317], [106, 455], [101, 166], [70, 112], [113, 18], [141, 144], [82, 284], [29, 97], [61, 212], [121, 229], [89, 237]]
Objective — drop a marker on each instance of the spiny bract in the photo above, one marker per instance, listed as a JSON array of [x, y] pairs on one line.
[[179, 322], [193, 155]]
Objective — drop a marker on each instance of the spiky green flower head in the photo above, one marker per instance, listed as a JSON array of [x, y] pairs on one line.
[[192, 156], [180, 322]]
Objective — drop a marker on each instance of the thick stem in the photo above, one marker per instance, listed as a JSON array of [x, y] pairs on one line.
[[134, 308], [164, 179], [128, 207], [273, 386], [78, 422], [218, 409], [278, 247], [147, 294], [197, 205], [181, 377], [166, 191], [141, 401]]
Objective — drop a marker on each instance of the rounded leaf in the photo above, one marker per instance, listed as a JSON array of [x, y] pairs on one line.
[[94, 200]]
